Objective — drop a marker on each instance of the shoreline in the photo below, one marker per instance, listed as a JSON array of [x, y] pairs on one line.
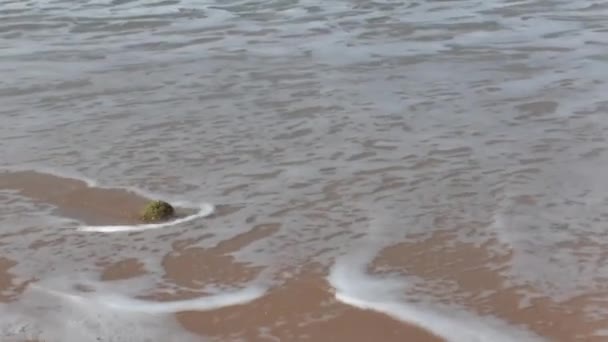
[[292, 302], [304, 305]]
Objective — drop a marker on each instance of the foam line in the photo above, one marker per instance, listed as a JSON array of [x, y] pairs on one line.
[[133, 305], [353, 287], [204, 211], [54, 311], [213, 302]]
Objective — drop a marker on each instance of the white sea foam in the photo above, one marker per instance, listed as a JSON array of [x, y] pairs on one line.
[[56, 314], [124, 303], [213, 302], [205, 210], [54, 317], [354, 287]]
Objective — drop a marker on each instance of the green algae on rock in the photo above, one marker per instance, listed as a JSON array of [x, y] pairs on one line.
[[157, 211]]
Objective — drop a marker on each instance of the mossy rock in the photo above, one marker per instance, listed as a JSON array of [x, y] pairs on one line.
[[157, 211]]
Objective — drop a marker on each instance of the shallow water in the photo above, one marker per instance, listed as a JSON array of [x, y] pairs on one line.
[[438, 163]]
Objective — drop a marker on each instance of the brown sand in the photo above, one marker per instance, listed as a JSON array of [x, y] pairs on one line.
[[120, 270], [75, 199], [303, 309], [469, 267]]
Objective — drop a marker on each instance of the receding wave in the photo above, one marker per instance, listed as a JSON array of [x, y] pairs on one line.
[[64, 315], [353, 287]]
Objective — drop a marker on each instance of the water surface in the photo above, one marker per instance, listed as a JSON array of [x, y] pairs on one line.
[[385, 170]]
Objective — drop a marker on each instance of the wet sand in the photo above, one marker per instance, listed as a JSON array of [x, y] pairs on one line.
[[10, 287], [478, 281], [75, 199], [301, 305], [302, 308]]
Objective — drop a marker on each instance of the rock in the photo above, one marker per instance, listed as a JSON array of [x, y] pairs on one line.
[[157, 211]]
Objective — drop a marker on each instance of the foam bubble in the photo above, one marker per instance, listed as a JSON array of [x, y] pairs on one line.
[[205, 210], [353, 287]]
